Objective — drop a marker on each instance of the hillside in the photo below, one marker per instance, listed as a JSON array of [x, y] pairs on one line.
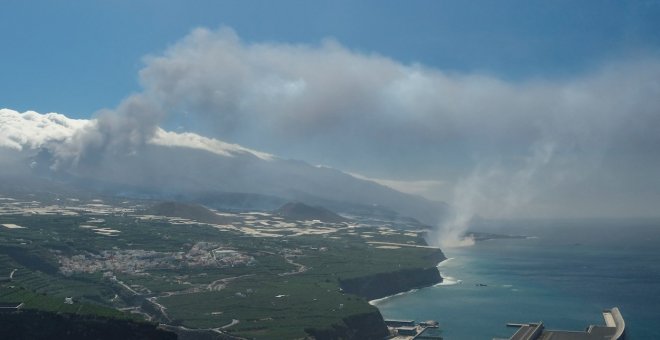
[[280, 279], [36, 324], [172, 165], [188, 211], [303, 212]]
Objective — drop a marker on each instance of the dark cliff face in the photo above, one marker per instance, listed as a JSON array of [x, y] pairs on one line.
[[360, 326], [34, 324], [375, 286], [372, 325], [385, 284]]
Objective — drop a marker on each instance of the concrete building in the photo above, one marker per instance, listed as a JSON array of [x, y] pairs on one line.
[[405, 330], [410, 330], [400, 323]]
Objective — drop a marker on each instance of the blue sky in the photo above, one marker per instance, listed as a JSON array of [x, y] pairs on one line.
[[499, 107], [76, 57]]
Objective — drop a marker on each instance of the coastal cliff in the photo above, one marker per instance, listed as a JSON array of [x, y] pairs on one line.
[[380, 285], [371, 325], [359, 326]]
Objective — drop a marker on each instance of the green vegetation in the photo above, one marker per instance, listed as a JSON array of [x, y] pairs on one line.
[[298, 211], [183, 210], [33, 324], [43, 302], [290, 283]]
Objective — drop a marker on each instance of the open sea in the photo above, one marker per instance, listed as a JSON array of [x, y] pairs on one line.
[[564, 276]]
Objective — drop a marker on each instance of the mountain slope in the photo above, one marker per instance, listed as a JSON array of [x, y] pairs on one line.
[[303, 212], [172, 165], [188, 211]]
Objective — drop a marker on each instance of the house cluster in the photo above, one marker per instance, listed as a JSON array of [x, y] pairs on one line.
[[201, 254]]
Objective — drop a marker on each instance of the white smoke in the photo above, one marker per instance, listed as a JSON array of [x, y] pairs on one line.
[[122, 131], [495, 191], [70, 139]]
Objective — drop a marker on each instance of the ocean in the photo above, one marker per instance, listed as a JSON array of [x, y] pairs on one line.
[[564, 275]]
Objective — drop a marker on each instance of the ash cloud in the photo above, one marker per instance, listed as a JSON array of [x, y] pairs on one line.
[[373, 115], [122, 131], [277, 96], [575, 146]]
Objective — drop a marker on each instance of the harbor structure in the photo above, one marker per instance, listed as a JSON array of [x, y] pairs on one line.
[[411, 330], [614, 329]]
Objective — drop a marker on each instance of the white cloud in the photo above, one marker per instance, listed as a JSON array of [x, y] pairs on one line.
[[344, 104], [195, 141], [32, 130], [328, 104]]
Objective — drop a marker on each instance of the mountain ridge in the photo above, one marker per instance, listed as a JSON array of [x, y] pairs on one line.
[[187, 165], [188, 211]]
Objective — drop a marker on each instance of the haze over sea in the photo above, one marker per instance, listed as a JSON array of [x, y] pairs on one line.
[[564, 276]]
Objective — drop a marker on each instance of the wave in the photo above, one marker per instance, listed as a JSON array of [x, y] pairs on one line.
[[377, 301], [448, 280], [444, 262]]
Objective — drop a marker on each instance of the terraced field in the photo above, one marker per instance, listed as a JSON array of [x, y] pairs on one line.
[[283, 277]]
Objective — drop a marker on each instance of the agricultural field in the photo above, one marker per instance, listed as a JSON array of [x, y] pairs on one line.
[[257, 275]]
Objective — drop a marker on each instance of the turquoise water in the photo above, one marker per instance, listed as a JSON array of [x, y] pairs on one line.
[[563, 277]]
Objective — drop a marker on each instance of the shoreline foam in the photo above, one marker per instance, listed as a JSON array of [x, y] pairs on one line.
[[444, 262], [375, 302], [446, 281]]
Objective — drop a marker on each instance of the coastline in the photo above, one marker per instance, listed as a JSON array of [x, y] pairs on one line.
[[442, 282], [378, 286], [446, 279], [375, 302]]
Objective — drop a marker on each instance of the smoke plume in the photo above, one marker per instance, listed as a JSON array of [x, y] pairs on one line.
[[526, 147]]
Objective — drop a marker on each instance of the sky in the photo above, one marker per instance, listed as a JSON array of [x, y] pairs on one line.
[[91, 51], [502, 108]]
